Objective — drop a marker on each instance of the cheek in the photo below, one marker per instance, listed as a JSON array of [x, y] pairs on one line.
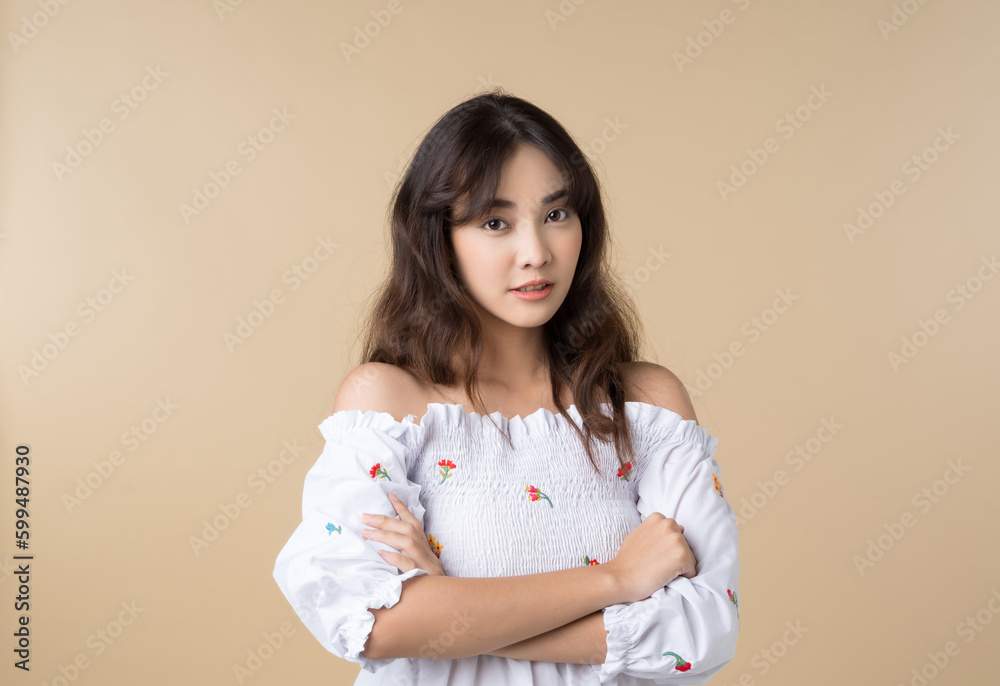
[[479, 263], [569, 247], [490, 269]]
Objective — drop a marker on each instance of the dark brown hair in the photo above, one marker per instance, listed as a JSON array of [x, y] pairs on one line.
[[422, 317]]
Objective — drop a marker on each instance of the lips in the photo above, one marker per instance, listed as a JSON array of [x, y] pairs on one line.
[[533, 295], [536, 282]]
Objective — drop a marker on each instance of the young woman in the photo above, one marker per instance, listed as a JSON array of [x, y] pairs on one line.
[[555, 516]]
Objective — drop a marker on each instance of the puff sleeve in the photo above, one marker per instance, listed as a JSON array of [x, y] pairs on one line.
[[326, 570], [686, 631]]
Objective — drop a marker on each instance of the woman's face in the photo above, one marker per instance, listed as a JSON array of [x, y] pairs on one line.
[[528, 235]]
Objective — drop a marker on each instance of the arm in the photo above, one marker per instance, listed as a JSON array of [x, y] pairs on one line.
[[350, 597], [469, 616], [687, 630], [582, 641]]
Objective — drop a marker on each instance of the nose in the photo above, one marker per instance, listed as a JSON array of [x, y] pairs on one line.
[[532, 249]]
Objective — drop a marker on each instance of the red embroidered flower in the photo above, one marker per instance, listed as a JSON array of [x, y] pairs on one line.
[[625, 472], [435, 546], [588, 561], [446, 467], [534, 494], [682, 664], [718, 486], [735, 601], [377, 470]]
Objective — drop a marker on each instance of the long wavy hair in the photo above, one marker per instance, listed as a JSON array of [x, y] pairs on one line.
[[422, 319]]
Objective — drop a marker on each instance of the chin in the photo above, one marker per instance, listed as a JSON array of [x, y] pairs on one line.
[[538, 314], [538, 318]]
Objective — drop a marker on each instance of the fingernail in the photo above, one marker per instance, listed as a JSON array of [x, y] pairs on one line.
[[365, 517], [393, 496]]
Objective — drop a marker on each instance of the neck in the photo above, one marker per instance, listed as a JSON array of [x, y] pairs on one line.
[[514, 361]]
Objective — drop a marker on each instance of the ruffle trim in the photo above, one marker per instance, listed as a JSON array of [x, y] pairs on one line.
[[346, 420], [621, 641], [650, 422], [358, 624]]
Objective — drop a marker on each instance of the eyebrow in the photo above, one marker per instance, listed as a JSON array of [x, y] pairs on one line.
[[548, 199]]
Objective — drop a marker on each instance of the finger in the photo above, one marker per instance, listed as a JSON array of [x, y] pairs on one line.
[[400, 562], [416, 549], [400, 507], [392, 523], [405, 563], [380, 521], [403, 511], [400, 542]]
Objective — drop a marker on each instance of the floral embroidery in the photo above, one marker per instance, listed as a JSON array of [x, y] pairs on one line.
[[435, 546], [330, 528], [534, 494], [589, 561], [446, 467], [718, 486], [377, 469], [735, 601], [625, 472], [682, 664]]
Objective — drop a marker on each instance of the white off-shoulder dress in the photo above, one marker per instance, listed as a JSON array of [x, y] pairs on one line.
[[490, 511]]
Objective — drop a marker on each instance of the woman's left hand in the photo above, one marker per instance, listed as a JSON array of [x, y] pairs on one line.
[[405, 535]]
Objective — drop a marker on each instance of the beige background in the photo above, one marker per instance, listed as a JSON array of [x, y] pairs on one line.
[[327, 175]]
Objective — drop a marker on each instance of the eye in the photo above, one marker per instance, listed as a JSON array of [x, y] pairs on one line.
[[490, 221]]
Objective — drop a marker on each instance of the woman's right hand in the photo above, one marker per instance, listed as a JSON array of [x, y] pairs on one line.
[[651, 556]]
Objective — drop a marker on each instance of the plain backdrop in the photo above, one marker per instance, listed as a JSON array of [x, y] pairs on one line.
[[192, 211]]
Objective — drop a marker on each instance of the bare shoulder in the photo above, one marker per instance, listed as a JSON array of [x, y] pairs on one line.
[[654, 384], [376, 386]]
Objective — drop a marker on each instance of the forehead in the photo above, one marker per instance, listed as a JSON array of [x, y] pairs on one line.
[[528, 180], [529, 172]]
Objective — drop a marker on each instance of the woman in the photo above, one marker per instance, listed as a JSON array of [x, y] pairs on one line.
[[556, 515]]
